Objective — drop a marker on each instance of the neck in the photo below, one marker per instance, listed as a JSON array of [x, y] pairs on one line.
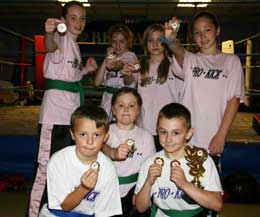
[[212, 50], [156, 58], [74, 37], [125, 127], [175, 155], [85, 159]]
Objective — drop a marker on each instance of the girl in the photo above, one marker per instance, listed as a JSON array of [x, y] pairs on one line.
[[156, 84], [110, 73], [63, 71], [128, 145], [213, 82]]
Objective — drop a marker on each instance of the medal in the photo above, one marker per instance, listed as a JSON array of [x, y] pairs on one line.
[[175, 25], [95, 165], [175, 163], [131, 143], [62, 28], [159, 161]]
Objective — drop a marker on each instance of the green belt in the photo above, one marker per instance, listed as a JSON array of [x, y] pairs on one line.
[[176, 213], [67, 86], [128, 179], [111, 89]]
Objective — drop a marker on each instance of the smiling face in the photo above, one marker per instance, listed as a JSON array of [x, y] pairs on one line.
[[119, 43], [88, 138], [173, 134], [75, 19], [205, 35], [126, 110]]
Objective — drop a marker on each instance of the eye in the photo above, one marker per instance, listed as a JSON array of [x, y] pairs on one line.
[[83, 18], [82, 134], [195, 33], [97, 135], [162, 132]]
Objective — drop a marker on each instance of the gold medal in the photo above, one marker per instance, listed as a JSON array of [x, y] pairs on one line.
[[175, 163], [95, 165], [159, 160]]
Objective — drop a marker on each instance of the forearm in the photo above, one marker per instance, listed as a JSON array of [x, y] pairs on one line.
[[229, 115], [100, 74], [128, 79], [178, 51], [110, 152], [49, 43], [207, 199], [74, 198], [143, 199]]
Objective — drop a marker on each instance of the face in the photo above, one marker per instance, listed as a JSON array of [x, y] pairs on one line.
[[173, 135], [88, 138], [154, 45], [76, 19], [119, 43], [126, 110], [205, 34]]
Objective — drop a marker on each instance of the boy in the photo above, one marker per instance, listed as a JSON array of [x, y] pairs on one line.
[[81, 180], [181, 179]]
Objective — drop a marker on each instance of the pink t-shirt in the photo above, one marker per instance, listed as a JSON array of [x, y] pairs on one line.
[[63, 64], [115, 79], [156, 95], [210, 81], [144, 145]]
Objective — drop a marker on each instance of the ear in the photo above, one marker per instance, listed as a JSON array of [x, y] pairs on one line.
[[189, 134], [72, 134], [106, 138]]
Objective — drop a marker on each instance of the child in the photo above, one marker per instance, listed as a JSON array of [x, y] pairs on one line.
[[181, 179], [213, 82], [128, 145], [81, 180], [157, 85], [110, 73], [63, 71]]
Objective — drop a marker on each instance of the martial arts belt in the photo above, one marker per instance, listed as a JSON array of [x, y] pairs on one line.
[[175, 213], [74, 87], [111, 90], [62, 213], [127, 179]]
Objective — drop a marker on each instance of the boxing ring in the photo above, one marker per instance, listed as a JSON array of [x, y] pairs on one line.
[[18, 131]]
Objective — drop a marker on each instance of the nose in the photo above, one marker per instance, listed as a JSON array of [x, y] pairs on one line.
[[89, 140], [168, 138], [126, 108]]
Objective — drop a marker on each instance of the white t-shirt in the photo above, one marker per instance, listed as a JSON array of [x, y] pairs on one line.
[[210, 81], [156, 95], [63, 176], [144, 145], [115, 79], [165, 193], [63, 64]]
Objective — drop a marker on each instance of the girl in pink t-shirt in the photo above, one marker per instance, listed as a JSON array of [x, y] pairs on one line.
[[156, 83], [128, 145], [63, 70], [213, 81], [110, 74]]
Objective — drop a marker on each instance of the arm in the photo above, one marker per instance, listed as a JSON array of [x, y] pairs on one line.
[[50, 28], [88, 183], [217, 143], [209, 199], [116, 154], [100, 74], [90, 67], [143, 197], [171, 35]]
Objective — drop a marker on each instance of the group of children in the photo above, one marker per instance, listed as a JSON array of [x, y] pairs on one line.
[[106, 162]]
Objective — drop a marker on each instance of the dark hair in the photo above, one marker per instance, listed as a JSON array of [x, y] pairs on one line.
[[176, 110], [125, 90], [125, 31], [203, 14], [163, 69], [91, 112], [68, 5]]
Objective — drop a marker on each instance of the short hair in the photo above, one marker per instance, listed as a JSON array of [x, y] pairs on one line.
[[126, 90], [176, 110], [68, 5], [125, 31], [91, 112]]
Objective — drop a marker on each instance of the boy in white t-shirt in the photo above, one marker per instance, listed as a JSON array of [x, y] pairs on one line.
[[182, 180], [81, 180]]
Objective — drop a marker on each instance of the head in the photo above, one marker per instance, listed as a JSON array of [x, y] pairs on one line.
[[74, 15], [174, 128], [152, 40], [121, 38], [204, 31], [126, 107], [89, 127]]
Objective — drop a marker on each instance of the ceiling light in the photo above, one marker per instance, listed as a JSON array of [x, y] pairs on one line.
[[193, 3], [84, 2]]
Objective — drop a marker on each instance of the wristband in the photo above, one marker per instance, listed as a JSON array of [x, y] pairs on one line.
[[165, 41]]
